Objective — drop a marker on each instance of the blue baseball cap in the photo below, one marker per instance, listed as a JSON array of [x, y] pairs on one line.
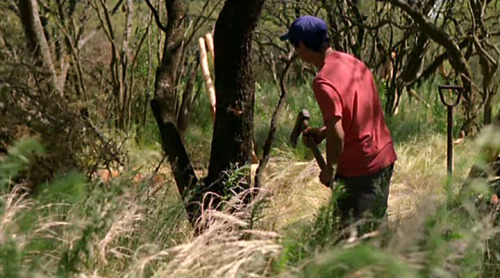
[[311, 30]]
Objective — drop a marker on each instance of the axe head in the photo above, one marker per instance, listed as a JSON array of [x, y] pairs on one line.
[[301, 123]]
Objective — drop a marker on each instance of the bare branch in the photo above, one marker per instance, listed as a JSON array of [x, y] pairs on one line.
[[199, 22], [116, 7], [273, 126], [156, 16], [436, 34]]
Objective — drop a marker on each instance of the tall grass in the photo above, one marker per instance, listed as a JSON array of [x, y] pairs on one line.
[[73, 226]]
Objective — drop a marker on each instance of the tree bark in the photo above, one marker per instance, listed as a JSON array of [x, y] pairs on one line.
[[37, 42], [166, 74], [235, 90], [163, 106], [126, 93]]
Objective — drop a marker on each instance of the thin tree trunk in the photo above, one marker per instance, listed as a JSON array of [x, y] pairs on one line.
[[160, 34], [274, 122], [37, 42], [163, 106], [183, 117], [488, 105], [125, 54], [115, 63], [148, 81]]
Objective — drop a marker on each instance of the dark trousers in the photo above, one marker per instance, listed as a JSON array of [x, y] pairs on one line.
[[364, 195]]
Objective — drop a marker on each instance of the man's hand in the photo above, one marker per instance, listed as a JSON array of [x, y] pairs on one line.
[[313, 136], [326, 175]]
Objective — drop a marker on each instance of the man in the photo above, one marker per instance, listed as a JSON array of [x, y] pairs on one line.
[[357, 138]]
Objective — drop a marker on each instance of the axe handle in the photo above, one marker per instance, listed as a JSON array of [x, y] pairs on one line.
[[320, 160], [316, 152], [319, 157]]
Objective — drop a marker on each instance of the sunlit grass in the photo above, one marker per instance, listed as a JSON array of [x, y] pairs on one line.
[[127, 228]]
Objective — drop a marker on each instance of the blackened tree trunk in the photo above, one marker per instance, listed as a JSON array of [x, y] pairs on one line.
[[164, 102], [165, 94], [235, 90], [233, 130]]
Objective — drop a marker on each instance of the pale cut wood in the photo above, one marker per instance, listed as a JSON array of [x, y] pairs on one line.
[[206, 75], [209, 40]]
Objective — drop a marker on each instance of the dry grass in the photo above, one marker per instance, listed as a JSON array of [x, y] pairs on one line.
[[123, 224], [14, 203], [420, 174], [135, 236], [295, 193], [227, 248]]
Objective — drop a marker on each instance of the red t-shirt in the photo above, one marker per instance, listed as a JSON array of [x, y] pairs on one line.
[[344, 89]]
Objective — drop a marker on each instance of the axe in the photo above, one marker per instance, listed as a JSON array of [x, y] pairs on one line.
[[300, 125]]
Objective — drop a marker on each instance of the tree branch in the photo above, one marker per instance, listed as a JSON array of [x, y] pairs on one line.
[[116, 7], [156, 16], [272, 128]]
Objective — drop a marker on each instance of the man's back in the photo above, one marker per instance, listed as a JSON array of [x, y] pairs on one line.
[[347, 85]]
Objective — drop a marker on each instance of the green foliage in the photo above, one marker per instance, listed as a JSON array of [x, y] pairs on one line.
[[69, 188], [61, 228], [360, 261], [10, 259], [18, 160]]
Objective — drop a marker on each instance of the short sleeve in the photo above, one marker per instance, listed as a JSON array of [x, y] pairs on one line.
[[328, 98]]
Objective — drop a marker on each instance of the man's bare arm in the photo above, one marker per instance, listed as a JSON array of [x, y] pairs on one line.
[[334, 134], [334, 141]]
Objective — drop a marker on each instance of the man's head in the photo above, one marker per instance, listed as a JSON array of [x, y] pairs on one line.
[[307, 34]]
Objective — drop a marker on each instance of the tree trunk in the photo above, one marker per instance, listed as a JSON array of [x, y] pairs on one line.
[[488, 106], [126, 93], [166, 74], [235, 91], [233, 130], [163, 106], [37, 42], [489, 64]]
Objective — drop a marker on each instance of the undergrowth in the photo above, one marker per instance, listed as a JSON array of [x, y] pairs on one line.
[[74, 226]]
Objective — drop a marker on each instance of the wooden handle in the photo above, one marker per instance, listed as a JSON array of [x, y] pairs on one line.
[[318, 156], [320, 160]]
